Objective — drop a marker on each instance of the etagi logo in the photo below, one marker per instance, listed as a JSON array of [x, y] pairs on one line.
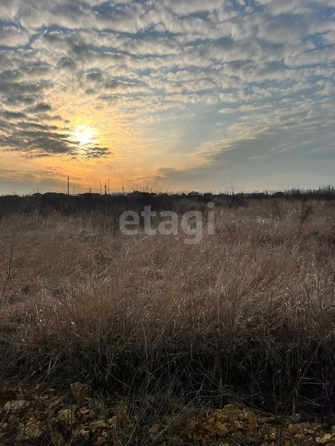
[[191, 224]]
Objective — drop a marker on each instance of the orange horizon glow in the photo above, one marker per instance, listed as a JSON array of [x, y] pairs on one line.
[[194, 95]]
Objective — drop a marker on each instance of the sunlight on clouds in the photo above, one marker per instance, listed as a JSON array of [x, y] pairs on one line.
[[187, 92], [84, 135]]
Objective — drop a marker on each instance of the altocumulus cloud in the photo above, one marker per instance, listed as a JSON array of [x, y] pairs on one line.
[[234, 89]]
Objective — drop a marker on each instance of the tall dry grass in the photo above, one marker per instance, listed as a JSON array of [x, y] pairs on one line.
[[247, 313]]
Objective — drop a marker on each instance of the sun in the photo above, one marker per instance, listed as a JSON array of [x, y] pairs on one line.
[[84, 135]]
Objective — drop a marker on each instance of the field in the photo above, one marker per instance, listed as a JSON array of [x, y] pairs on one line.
[[247, 315]]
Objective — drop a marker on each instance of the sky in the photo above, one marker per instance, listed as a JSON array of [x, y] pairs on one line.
[[207, 95]]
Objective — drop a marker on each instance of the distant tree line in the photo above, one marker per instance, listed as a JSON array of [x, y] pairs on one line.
[[92, 202]]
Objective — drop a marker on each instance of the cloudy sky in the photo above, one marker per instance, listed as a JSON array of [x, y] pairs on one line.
[[194, 94]]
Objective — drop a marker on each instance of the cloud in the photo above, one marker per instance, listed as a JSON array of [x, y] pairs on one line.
[[9, 9], [11, 36], [41, 107], [20, 134], [117, 86], [200, 80], [186, 8], [96, 152]]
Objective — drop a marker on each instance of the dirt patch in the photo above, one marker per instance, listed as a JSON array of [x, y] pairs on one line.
[[37, 415]]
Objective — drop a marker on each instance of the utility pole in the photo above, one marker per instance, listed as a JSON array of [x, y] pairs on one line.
[[68, 185]]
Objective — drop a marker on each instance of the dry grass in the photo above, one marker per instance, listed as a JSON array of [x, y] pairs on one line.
[[248, 313]]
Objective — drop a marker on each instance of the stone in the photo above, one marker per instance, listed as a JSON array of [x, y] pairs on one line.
[[67, 417], [82, 432], [96, 425], [112, 421], [327, 438], [15, 405], [80, 392], [86, 414], [222, 429], [30, 431]]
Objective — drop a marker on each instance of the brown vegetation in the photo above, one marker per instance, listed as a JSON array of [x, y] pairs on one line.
[[246, 315]]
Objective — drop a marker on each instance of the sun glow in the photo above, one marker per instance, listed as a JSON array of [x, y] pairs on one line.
[[84, 135]]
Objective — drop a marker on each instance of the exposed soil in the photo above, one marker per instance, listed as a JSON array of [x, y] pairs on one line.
[[37, 415]]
